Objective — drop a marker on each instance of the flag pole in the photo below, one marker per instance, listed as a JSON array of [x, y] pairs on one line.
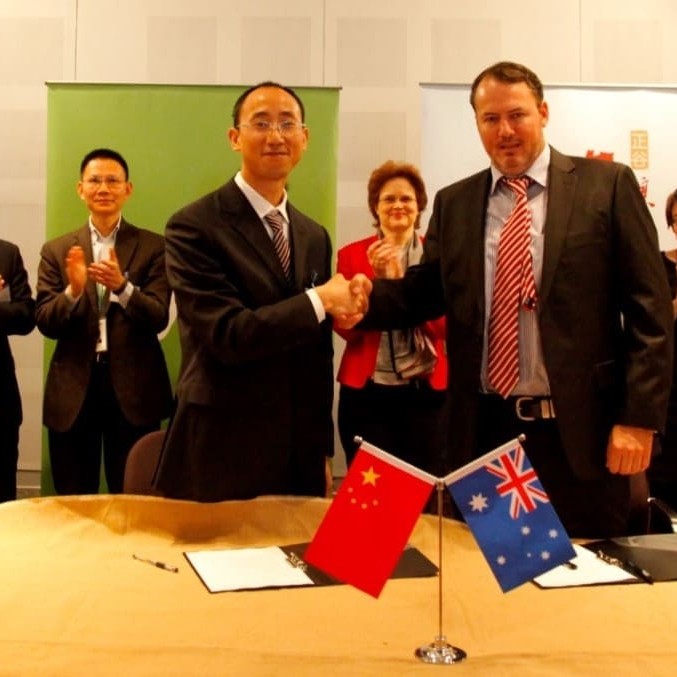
[[440, 651]]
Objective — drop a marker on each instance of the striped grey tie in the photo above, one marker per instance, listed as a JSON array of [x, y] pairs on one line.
[[276, 222]]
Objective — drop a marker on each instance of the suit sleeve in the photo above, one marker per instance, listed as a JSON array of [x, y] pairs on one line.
[[54, 312], [646, 308], [148, 306], [239, 313], [17, 315]]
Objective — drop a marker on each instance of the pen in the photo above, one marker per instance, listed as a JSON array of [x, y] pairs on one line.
[[570, 565], [159, 565]]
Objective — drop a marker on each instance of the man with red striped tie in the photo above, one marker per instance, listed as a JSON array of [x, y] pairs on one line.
[[558, 313]]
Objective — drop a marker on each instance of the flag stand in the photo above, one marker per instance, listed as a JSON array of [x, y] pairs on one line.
[[440, 651]]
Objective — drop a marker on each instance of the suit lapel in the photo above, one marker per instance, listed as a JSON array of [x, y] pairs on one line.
[[242, 218], [562, 182], [478, 197], [299, 244], [126, 243], [83, 238]]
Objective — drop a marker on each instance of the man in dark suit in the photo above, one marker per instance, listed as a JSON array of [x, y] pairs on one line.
[[16, 317], [103, 295], [594, 340], [255, 390]]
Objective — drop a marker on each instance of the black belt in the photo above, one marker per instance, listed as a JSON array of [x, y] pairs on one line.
[[102, 357], [527, 407]]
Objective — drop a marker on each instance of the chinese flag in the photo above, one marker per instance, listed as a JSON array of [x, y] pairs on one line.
[[363, 533]]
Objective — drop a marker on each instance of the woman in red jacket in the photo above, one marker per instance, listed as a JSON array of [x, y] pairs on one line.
[[393, 382]]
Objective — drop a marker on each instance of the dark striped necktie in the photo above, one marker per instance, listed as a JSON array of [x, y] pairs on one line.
[[280, 242]]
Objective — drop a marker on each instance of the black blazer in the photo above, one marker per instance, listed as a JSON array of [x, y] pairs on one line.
[[256, 383], [137, 364], [604, 308], [16, 317]]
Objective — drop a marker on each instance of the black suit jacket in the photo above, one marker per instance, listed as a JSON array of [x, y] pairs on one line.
[[137, 365], [604, 306], [16, 317], [255, 389]]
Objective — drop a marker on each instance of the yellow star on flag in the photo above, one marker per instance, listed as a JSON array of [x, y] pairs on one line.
[[369, 476]]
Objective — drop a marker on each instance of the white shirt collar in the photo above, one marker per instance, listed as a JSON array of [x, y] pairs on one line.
[[258, 202], [98, 237]]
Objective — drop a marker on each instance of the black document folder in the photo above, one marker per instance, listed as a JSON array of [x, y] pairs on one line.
[[412, 564], [656, 553]]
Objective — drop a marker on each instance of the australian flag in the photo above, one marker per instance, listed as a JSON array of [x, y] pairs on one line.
[[510, 515]]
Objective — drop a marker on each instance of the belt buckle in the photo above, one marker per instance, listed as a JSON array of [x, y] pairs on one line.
[[518, 408], [545, 405]]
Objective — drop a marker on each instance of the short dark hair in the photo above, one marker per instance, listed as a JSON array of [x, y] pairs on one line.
[[268, 83], [107, 154], [396, 170], [510, 73], [672, 201]]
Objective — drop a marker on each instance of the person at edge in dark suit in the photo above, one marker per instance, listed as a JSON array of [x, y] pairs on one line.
[[663, 469], [254, 395], [16, 317], [103, 295], [594, 329]]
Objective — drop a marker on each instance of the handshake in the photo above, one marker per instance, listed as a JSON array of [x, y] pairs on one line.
[[347, 301]]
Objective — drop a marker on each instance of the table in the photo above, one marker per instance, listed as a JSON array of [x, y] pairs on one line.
[[73, 601]]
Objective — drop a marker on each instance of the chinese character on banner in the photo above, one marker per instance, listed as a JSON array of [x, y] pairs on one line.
[[510, 515], [366, 527], [639, 149]]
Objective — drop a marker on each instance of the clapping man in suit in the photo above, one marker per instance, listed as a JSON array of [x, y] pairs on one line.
[[580, 362], [103, 295], [251, 275], [16, 317]]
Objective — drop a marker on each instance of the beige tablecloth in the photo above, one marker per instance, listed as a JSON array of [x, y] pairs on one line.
[[73, 601]]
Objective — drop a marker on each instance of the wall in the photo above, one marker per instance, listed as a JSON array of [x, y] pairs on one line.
[[378, 52]]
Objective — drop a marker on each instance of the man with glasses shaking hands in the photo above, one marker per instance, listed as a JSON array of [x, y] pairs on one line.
[[254, 291]]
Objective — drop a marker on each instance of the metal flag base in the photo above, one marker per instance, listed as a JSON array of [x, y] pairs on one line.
[[440, 652]]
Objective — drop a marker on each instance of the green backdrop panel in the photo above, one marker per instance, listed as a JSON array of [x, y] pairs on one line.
[[174, 138]]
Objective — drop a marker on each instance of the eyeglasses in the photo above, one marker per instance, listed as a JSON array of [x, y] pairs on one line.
[[264, 127], [406, 200], [113, 182]]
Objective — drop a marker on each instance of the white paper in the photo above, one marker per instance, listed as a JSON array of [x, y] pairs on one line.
[[246, 569], [590, 570]]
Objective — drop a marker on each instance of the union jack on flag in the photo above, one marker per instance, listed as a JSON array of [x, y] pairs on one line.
[[510, 515], [518, 480]]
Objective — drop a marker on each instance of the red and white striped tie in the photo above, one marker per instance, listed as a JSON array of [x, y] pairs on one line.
[[514, 286], [276, 222]]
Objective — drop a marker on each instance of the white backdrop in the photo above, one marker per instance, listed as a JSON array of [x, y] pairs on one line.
[[634, 124]]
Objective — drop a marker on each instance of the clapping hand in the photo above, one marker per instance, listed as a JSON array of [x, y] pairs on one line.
[[386, 259], [76, 269], [107, 272]]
